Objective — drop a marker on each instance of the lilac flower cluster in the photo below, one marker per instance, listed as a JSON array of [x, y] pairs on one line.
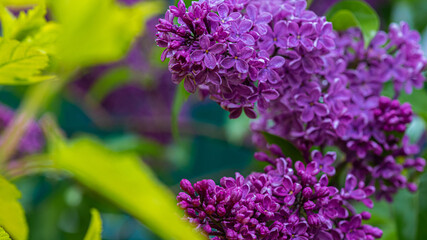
[[32, 141], [239, 52], [342, 106], [285, 202]]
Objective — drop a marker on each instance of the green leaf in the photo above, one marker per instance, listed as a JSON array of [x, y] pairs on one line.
[[181, 96], [288, 149], [381, 217], [95, 227], [46, 39], [4, 235], [25, 25], [405, 211], [109, 82], [126, 181], [98, 31], [12, 217], [21, 3], [20, 63], [421, 232], [354, 13], [136, 144]]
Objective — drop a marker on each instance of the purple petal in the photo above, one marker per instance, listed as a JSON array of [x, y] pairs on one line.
[[197, 55], [300, 228], [247, 39], [214, 77], [242, 66], [245, 25], [320, 109], [189, 85], [264, 18], [250, 113], [233, 49], [223, 11], [350, 183], [281, 29], [205, 42], [210, 61], [252, 11], [246, 53], [217, 48], [201, 77], [316, 156], [293, 28], [276, 62], [307, 114], [329, 158], [234, 16], [358, 194], [307, 43], [213, 17], [306, 29], [270, 94], [293, 41], [235, 113], [228, 63]]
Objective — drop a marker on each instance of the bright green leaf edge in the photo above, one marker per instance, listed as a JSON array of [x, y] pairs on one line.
[[95, 228], [355, 13], [12, 217], [126, 181], [4, 235]]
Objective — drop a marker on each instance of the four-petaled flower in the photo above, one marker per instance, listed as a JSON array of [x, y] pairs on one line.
[[208, 52], [239, 56]]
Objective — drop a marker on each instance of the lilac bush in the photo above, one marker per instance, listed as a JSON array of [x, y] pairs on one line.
[[311, 86]]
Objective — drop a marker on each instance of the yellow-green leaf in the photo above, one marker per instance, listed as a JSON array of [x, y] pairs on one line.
[[25, 25], [4, 235], [20, 63], [12, 217], [126, 181], [95, 227], [46, 39], [98, 31], [21, 3]]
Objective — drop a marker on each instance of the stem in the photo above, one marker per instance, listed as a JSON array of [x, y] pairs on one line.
[[37, 97]]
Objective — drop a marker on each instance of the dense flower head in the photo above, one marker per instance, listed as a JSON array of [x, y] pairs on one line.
[[342, 105], [241, 52], [284, 202]]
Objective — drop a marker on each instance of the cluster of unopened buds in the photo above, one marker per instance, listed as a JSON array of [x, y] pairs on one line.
[[312, 86]]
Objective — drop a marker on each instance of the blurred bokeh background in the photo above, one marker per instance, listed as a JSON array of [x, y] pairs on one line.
[[128, 105]]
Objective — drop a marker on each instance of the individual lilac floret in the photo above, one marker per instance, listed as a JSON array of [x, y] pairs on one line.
[[325, 162], [281, 203]]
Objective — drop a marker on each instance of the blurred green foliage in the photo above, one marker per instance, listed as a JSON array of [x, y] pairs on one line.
[[354, 13]]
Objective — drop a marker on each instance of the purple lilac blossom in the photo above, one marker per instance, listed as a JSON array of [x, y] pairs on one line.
[[251, 42], [368, 128], [284, 202]]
